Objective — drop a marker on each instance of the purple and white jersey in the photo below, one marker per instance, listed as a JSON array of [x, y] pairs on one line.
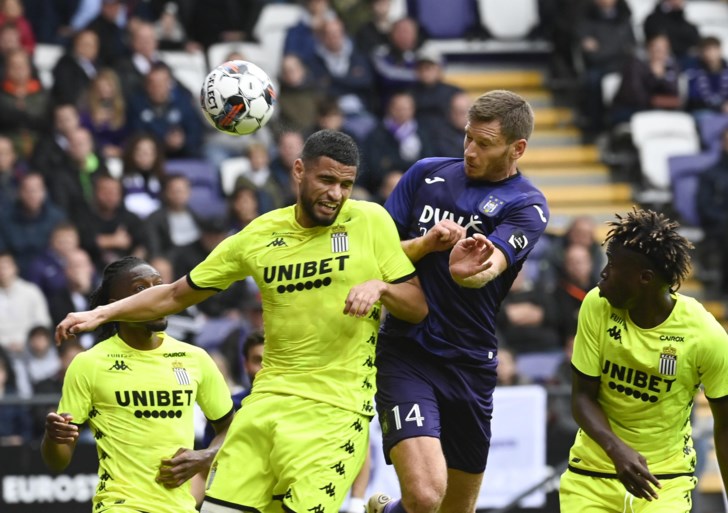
[[512, 213]]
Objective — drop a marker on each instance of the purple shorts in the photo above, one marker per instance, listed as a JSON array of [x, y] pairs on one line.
[[419, 394]]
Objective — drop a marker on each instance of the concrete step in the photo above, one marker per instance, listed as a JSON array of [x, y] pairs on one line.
[[560, 156], [486, 80], [548, 117], [566, 169], [586, 196], [566, 180], [536, 97], [555, 136]]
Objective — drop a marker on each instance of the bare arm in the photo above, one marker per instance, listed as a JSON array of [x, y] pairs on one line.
[[720, 435], [631, 466], [59, 441], [440, 237], [403, 300], [475, 261], [152, 303]]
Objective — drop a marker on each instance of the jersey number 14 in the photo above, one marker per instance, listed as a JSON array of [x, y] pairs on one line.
[[412, 416]]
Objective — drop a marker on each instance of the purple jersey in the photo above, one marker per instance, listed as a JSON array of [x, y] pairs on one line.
[[512, 213]]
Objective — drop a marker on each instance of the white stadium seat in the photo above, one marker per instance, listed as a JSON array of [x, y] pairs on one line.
[[230, 170], [498, 17], [45, 58], [277, 18], [640, 10], [253, 52], [706, 12], [655, 153], [188, 68], [662, 123], [610, 86]]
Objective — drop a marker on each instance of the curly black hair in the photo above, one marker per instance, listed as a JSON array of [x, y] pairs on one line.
[[656, 237]]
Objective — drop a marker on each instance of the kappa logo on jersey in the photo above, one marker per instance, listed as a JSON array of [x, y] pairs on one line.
[[339, 240], [430, 181], [277, 243], [181, 374], [615, 333], [120, 366], [490, 205], [668, 361], [518, 240]]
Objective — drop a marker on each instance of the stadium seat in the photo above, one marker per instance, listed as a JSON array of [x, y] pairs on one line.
[[662, 123], [188, 68], [706, 12], [256, 53], [498, 17], [206, 198], [654, 154], [610, 86], [45, 58], [276, 17], [640, 10], [230, 170], [685, 171], [454, 19], [711, 127], [397, 10], [539, 367]]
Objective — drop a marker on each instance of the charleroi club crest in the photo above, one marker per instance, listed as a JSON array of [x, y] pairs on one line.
[[339, 240], [668, 361]]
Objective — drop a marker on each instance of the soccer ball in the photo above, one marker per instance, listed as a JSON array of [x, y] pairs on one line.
[[237, 97]]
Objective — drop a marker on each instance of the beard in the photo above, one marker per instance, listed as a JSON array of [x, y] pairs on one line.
[[156, 325], [309, 209]]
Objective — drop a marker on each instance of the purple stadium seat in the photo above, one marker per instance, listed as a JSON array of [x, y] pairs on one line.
[[684, 174], [445, 20], [711, 126], [206, 195]]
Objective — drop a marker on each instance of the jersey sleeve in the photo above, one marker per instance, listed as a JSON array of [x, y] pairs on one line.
[[399, 203], [213, 394], [77, 396], [225, 265], [520, 228], [585, 357], [713, 361], [393, 262]]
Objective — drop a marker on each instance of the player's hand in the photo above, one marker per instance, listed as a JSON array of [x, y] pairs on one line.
[[443, 236], [77, 322], [59, 429], [362, 297], [470, 256], [185, 463], [632, 471]]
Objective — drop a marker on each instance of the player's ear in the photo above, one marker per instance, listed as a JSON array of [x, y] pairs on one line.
[[298, 170], [519, 147]]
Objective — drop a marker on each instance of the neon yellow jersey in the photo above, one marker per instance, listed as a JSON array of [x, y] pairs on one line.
[[649, 378], [139, 406], [312, 349]]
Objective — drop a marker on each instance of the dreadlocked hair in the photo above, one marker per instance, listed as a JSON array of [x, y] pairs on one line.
[[100, 296], [654, 236]]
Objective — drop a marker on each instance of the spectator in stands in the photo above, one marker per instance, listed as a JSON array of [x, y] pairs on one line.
[[109, 26], [527, 318], [165, 111], [507, 372], [70, 184], [134, 68], [581, 231], [576, 279], [213, 21], [174, 225], [260, 176], [300, 38], [397, 142], [448, 134], [15, 425], [170, 30], [212, 232], [41, 357], [668, 19], [389, 182], [9, 42], [103, 112], [395, 62], [288, 148], [606, 42], [75, 70], [11, 12], [243, 207], [143, 174], [432, 95], [648, 83], [25, 228], [708, 79], [22, 307], [49, 154], [374, 32], [80, 278], [343, 72], [11, 170], [47, 269], [298, 96], [23, 103], [109, 231], [712, 205]]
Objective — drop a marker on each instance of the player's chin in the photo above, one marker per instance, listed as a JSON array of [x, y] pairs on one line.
[[157, 324]]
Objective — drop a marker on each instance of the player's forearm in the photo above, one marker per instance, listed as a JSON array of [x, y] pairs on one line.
[[477, 280], [152, 303], [591, 418], [56, 456], [405, 301], [415, 249]]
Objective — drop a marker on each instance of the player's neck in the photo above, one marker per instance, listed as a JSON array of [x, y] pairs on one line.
[[140, 338], [653, 311]]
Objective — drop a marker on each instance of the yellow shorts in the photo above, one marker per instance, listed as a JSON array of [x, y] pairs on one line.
[[287, 450], [586, 494]]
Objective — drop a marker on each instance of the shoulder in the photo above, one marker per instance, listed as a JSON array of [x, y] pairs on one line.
[[593, 302]]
